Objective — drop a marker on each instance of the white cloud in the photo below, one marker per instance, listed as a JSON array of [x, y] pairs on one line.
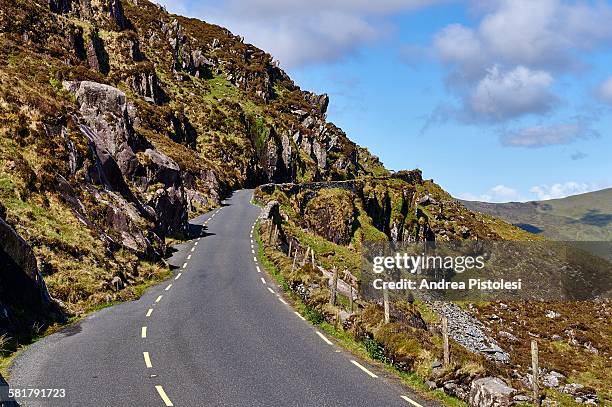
[[561, 190], [503, 193], [547, 135], [515, 45], [459, 45], [498, 193], [604, 91], [505, 95], [298, 32]]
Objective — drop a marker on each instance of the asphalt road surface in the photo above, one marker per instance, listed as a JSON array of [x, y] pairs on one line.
[[216, 334]]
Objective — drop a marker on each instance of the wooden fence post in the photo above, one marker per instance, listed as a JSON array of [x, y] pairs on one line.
[[275, 233], [445, 341], [386, 304], [351, 297], [306, 256], [334, 287], [270, 233], [294, 259], [289, 251], [535, 369], [312, 257]]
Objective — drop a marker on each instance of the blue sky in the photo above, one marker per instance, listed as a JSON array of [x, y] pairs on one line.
[[495, 100]]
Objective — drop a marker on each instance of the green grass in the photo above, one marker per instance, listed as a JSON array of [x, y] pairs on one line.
[[219, 88]]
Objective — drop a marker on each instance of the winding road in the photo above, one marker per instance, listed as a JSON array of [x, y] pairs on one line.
[[216, 334]]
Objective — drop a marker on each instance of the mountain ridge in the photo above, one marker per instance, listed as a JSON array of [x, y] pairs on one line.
[[583, 217]]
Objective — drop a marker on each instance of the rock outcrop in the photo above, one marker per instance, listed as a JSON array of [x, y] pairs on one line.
[[469, 332], [24, 300], [491, 392], [128, 165], [146, 84]]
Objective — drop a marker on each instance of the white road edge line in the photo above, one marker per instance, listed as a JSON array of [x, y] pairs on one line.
[[196, 243], [169, 287], [189, 257], [299, 315], [147, 360], [283, 301], [159, 298], [193, 249], [364, 369], [252, 251], [327, 341], [143, 332], [178, 276], [184, 265], [149, 312], [255, 259], [258, 270], [409, 400], [263, 280], [164, 396], [271, 290]]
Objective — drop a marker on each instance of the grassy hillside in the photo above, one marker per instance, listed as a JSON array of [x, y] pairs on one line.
[[584, 217]]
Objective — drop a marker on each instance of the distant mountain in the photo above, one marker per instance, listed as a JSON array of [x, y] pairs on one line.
[[584, 217]]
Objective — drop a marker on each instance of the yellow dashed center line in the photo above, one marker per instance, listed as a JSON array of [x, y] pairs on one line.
[[164, 396], [147, 360]]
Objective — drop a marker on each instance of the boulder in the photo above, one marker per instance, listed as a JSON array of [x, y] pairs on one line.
[[105, 111], [271, 211], [24, 299], [124, 158], [553, 379], [490, 392]]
